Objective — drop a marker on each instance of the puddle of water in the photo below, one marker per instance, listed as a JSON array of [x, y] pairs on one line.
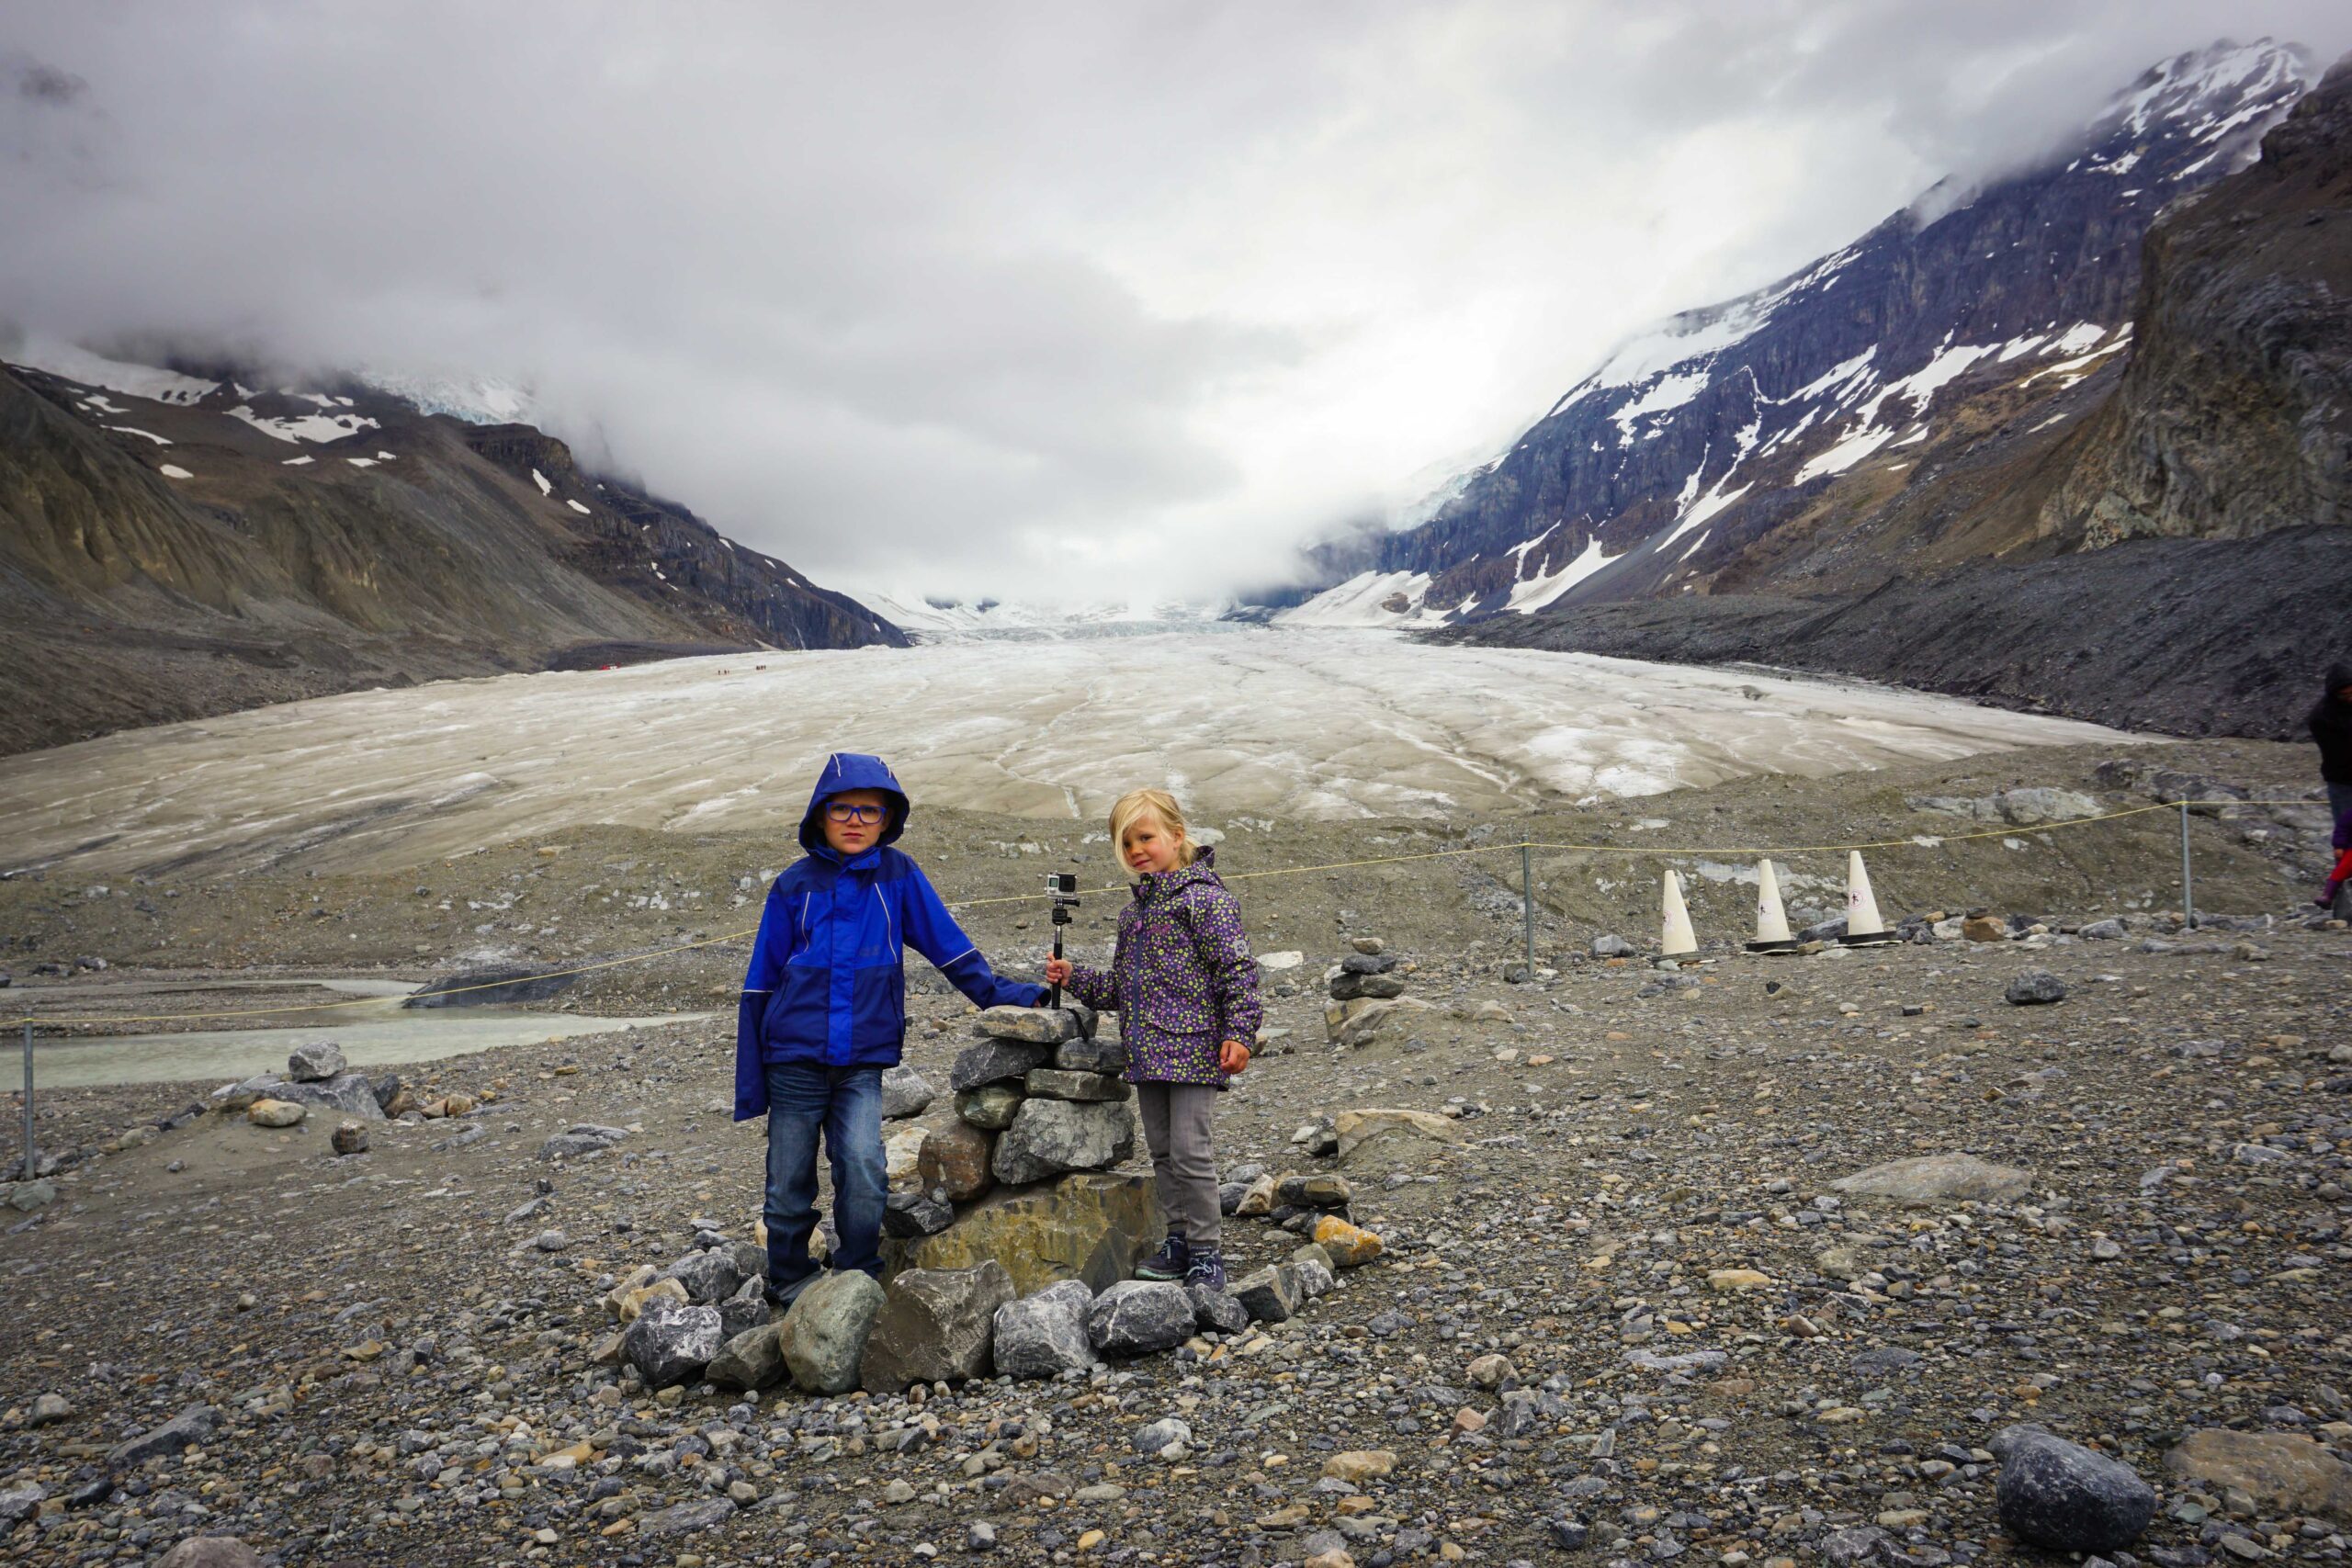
[[233, 1053]]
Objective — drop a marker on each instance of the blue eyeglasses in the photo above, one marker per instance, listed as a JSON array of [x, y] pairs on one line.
[[866, 816]]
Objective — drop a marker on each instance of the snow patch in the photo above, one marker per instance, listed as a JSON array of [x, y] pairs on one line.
[[173, 472], [75, 364], [540, 479], [1532, 593], [320, 428]]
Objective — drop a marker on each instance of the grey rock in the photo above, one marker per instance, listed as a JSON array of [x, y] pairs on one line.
[[752, 1358], [1044, 1334], [1608, 944], [1159, 1434], [990, 1107], [684, 1518], [1049, 1137], [1368, 963], [709, 1277], [1347, 987], [386, 1088], [994, 1061], [1042, 1026], [1267, 1296], [1310, 1277], [21, 1503], [2057, 1494], [1936, 1179], [2035, 987], [2103, 931], [48, 1409], [211, 1551], [1216, 1309], [1885, 1361], [581, 1138], [823, 1335], [1091, 1055], [550, 1241], [671, 1342], [348, 1092], [905, 1092], [191, 1428], [1138, 1317], [745, 1310], [915, 1213], [1846, 1548], [935, 1325], [1059, 1083], [316, 1063]]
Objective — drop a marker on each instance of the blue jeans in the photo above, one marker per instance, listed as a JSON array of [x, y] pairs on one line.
[[845, 1105]]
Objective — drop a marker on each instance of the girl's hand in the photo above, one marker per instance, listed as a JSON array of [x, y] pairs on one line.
[[1234, 1057], [1058, 971]]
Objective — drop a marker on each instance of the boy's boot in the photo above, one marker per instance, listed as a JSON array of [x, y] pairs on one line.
[[1206, 1270], [1171, 1262]]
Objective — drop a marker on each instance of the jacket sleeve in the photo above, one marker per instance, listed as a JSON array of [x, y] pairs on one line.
[[769, 950], [1094, 988], [931, 930], [1223, 948]]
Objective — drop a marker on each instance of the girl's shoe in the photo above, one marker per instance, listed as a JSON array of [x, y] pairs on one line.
[[1206, 1271], [1171, 1262]]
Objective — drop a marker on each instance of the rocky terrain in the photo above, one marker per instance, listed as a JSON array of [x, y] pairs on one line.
[[1643, 1290], [173, 547]]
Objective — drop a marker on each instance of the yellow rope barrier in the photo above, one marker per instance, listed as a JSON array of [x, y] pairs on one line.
[[1650, 850]]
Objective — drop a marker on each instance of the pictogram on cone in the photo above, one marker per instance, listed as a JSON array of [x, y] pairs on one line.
[[1772, 919], [1863, 927], [1678, 937]]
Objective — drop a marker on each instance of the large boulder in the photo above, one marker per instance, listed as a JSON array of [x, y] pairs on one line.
[[915, 1213], [954, 1162], [2285, 1471], [2061, 1496], [1087, 1227], [709, 1277], [315, 1062], [1043, 1336], [936, 1326], [1049, 1137], [192, 1428], [1138, 1317], [823, 1335], [995, 1061], [1930, 1180], [1356, 1128], [905, 1092], [581, 1138], [672, 1342], [348, 1092]]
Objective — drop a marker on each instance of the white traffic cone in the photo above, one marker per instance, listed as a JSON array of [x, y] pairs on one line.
[[1863, 927], [1678, 937], [1772, 919]]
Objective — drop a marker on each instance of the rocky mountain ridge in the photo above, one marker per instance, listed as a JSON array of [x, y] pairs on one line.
[[1778, 441], [177, 545]]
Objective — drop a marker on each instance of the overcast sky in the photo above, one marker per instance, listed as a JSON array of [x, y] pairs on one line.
[[1089, 301]]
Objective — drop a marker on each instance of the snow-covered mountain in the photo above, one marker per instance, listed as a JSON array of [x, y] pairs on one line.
[[937, 619], [1771, 439], [176, 542]]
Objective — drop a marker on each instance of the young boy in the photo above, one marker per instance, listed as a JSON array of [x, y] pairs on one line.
[[824, 1011]]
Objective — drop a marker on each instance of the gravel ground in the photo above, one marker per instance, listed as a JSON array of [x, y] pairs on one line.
[[399, 1369]]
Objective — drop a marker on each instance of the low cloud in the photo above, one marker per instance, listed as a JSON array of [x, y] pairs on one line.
[[1050, 301]]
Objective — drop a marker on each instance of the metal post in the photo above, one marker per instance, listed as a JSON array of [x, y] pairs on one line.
[[32, 1157], [1527, 902], [2187, 883]]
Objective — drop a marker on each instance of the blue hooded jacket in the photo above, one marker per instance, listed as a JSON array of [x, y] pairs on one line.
[[827, 980]]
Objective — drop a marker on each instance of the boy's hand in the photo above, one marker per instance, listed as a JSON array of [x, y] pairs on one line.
[[1234, 1057], [1058, 971]]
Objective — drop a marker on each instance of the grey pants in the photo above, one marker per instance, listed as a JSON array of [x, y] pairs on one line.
[[1176, 1118]]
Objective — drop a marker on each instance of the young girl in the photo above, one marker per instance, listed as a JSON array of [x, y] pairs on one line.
[[1185, 987]]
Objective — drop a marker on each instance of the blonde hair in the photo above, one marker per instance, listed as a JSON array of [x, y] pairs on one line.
[[1161, 807]]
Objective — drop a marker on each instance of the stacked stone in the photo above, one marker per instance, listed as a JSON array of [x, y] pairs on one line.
[[1038, 1098], [1366, 992]]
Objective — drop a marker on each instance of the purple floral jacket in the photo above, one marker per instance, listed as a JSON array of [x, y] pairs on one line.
[[1182, 979]]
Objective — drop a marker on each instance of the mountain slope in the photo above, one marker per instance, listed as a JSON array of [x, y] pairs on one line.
[[2189, 558], [1770, 440], [172, 546]]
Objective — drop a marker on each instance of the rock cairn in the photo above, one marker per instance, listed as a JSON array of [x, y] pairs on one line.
[[1367, 990], [1010, 1247]]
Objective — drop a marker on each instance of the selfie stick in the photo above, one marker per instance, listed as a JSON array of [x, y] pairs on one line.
[[1053, 997]]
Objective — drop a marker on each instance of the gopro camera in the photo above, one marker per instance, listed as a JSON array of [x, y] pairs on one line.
[[1061, 886]]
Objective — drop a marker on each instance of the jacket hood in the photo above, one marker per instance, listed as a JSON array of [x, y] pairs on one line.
[[846, 771], [2338, 677], [1161, 883]]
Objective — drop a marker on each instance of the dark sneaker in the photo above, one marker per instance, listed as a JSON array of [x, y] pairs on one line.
[[1174, 1257], [1206, 1271]]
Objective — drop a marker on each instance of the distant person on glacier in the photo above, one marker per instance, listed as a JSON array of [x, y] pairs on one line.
[[2331, 723], [824, 1011]]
